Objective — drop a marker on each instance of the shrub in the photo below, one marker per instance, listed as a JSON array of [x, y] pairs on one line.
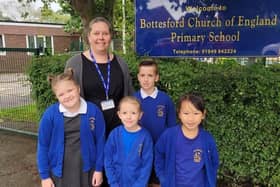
[[38, 71], [243, 109]]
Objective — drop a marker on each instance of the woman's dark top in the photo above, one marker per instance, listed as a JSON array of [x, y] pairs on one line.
[[95, 92]]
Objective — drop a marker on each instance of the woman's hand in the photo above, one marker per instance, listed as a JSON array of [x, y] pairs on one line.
[[47, 183], [97, 178]]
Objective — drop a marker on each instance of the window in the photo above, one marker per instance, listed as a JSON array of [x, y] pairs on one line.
[[40, 41], [48, 42], [31, 42], [76, 45], [2, 44]]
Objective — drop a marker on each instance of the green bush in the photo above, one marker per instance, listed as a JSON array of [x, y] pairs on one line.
[[243, 109], [38, 71]]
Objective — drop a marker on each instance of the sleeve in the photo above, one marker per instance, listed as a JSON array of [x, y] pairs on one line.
[[100, 139], [214, 156], [160, 157], [128, 84], [171, 117], [147, 160], [75, 63], [110, 149], [43, 145]]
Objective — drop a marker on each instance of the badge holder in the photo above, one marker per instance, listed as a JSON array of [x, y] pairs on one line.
[[107, 104]]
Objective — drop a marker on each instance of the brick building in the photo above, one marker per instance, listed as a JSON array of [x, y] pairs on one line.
[[14, 34]]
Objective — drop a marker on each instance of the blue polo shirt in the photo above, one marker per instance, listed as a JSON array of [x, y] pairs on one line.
[[189, 163]]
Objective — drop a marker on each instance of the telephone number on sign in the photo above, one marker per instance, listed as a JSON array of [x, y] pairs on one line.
[[209, 51], [226, 51], [218, 51]]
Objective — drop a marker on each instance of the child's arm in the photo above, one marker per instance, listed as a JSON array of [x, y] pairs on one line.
[[97, 178], [109, 164], [100, 140], [171, 114], [145, 150], [160, 156], [44, 138], [214, 156]]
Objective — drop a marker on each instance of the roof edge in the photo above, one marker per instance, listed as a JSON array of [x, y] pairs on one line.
[[27, 23]]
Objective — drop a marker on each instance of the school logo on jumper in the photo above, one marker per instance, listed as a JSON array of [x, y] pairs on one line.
[[160, 110], [92, 123], [140, 149], [197, 155]]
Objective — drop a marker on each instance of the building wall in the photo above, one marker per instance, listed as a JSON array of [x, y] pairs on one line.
[[63, 43], [14, 62], [15, 37], [15, 40], [16, 32], [32, 29]]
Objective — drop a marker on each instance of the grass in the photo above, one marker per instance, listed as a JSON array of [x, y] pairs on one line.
[[27, 113]]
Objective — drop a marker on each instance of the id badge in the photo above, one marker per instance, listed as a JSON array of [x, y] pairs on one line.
[[107, 104]]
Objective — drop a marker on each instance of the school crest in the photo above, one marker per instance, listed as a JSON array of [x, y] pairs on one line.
[[140, 149], [160, 110], [92, 123], [197, 155]]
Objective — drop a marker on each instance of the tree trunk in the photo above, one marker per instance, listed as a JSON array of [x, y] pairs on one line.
[[109, 10], [88, 9], [85, 8]]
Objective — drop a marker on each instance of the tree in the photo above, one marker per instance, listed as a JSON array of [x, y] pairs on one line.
[[4, 16], [84, 10], [48, 15], [124, 23]]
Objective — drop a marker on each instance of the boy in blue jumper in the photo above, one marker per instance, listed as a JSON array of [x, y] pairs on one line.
[[159, 110], [186, 155], [129, 148], [71, 138]]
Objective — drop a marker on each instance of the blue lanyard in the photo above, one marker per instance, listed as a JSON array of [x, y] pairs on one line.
[[106, 86]]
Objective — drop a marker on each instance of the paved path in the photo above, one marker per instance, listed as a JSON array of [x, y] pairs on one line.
[[18, 161]]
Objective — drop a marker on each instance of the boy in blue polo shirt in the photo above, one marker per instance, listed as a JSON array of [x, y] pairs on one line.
[[159, 110]]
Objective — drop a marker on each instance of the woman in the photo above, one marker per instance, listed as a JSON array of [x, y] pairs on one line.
[[103, 76]]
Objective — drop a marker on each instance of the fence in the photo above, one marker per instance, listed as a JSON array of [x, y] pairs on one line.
[[17, 109]]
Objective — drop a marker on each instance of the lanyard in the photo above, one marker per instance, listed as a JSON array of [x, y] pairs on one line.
[[105, 85]]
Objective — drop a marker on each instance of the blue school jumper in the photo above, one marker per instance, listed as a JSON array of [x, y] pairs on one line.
[[165, 156], [132, 169], [159, 113], [50, 148]]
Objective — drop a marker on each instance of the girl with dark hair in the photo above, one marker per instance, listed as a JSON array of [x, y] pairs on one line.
[[186, 155]]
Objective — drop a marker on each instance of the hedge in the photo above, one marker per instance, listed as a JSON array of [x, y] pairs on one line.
[[243, 109]]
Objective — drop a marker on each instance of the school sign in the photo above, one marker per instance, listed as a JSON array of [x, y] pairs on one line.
[[202, 28]]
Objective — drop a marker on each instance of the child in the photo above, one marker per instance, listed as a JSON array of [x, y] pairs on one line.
[[187, 155], [159, 110], [129, 148], [71, 138]]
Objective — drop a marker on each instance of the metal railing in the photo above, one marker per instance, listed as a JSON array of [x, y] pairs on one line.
[[16, 103]]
